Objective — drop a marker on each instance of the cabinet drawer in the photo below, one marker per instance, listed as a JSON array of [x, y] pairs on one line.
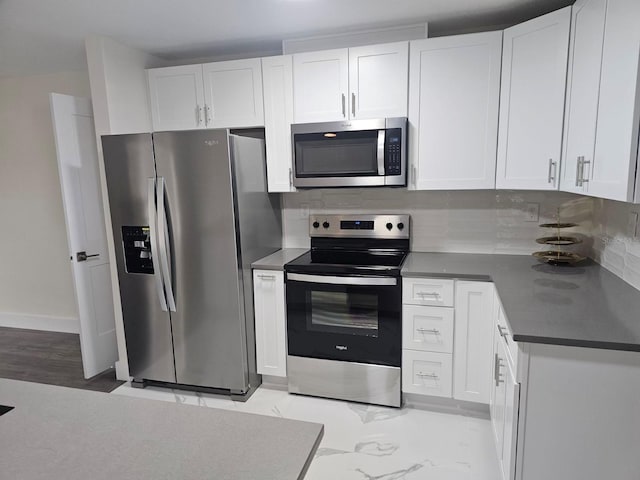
[[427, 291], [426, 373], [427, 328]]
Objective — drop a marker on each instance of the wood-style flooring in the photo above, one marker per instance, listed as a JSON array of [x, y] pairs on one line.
[[48, 357]]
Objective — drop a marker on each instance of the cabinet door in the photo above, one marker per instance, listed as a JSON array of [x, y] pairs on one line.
[[320, 86], [473, 341], [233, 94], [498, 397], [454, 89], [534, 72], [583, 86], [378, 81], [277, 81], [271, 330], [177, 98], [511, 412], [613, 172]]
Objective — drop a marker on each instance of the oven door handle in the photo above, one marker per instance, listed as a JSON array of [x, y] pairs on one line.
[[336, 280]]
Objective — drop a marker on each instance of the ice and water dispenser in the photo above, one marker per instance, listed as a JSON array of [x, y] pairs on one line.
[[137, 250]]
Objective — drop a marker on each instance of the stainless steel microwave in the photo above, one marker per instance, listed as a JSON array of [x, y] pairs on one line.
[[359, 153]]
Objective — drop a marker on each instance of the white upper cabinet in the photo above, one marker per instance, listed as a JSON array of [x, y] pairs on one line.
[[613, 172], [354, 83], [454, 90], [233, 93], [534, 70], [177, 97], [583, 86], [214, 95], [321, 86], [378, 81], [277, 80]]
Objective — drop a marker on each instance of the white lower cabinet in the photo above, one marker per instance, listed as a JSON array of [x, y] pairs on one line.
[[473, 341], [446, 338], [271, 325], [504, 408], [427, 373]]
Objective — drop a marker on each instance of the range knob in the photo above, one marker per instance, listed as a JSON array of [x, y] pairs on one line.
[[389, 226], [400, 226], [316, 224], [325, 224]]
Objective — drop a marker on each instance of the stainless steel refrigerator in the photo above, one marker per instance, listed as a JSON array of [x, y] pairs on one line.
[[190, 212]]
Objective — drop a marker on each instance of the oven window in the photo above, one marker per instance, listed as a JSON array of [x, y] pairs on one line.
[[343, 313]]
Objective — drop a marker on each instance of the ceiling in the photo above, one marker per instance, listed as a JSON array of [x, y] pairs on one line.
[[44, 36]]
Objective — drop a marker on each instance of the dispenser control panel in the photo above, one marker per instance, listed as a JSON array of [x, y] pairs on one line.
[[137, 250]]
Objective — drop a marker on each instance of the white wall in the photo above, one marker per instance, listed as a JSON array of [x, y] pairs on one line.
[[35, 275], [615, 247], [481, 221], [120, 97]]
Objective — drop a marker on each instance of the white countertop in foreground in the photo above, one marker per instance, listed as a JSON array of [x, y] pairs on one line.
[[64, 433]]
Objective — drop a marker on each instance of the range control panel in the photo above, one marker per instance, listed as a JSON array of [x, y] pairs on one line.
[[137, 250], [359, 226]]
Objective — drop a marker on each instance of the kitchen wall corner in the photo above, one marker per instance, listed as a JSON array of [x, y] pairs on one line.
[[614, 245]]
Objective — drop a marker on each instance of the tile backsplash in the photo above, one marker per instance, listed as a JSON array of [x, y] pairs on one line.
[[482, 221], [614, 245]]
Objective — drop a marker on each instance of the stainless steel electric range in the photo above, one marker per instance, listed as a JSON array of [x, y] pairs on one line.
[[344, 309]]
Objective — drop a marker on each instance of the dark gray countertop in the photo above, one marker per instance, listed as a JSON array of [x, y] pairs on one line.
[[584, 305], [276, 260], [65, 433]]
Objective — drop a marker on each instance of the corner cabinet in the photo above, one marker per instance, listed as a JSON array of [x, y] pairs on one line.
[[213, 95], [534, 70], [454, 90], [270, 322], [354, 83], [277, 81], [603, 100]]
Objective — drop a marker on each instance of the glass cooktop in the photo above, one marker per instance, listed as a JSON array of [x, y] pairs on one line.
[[344, 261]]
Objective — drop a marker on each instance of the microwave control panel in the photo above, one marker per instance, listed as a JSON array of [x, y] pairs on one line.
[[393, 152]]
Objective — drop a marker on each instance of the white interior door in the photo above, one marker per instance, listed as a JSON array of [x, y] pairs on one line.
[[78, 168]]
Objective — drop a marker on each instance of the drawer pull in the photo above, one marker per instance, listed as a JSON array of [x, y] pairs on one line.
[[427, 375], [435, 331], [266, 277], [428, 294]]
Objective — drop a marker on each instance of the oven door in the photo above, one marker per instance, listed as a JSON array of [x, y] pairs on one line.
[[348, 318]]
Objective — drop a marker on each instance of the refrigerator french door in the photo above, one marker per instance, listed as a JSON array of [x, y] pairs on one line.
[[190, 213]]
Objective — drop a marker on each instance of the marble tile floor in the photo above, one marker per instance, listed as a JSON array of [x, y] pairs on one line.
[[364, 442]]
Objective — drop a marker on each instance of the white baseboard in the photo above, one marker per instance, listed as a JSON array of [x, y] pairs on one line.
[[39, 322]]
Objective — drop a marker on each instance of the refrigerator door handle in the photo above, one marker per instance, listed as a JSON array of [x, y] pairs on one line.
[[153, 237], [165, 244]]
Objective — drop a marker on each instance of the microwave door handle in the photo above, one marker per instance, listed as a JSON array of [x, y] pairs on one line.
[[381, 135], [337, 280]]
